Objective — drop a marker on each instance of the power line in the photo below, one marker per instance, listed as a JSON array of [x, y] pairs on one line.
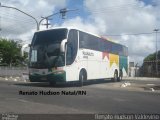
[[10, 7], [114, 9], [11, 16], [135, 34], [61, 11], [18, 25], [18, 22], [15, 20]]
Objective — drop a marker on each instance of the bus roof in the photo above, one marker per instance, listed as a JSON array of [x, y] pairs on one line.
[[104, 38], [69, 29]]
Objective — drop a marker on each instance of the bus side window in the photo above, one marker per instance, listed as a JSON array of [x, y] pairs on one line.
[[72, 47], [69, 54]]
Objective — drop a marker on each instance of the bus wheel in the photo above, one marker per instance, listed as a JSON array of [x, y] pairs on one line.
[[82, 77], [120, 75], [115, 78]]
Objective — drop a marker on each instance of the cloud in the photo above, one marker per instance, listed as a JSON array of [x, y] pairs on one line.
[[36, 8], [16, 25], [106, 17], [111, 17], [125, 18], [79, 23]]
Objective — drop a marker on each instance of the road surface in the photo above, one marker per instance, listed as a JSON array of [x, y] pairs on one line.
[[103, 97]]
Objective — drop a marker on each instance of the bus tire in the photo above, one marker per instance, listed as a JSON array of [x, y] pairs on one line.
[[115, 77], [82, 77], [120, 75]]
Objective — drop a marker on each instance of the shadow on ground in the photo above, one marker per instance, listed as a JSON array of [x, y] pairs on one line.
[[63, 85]]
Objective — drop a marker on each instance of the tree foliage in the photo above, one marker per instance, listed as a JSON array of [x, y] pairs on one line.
[[151, 57], [10, 53]]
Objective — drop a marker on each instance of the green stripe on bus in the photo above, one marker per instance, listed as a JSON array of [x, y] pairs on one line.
[[123, 62]]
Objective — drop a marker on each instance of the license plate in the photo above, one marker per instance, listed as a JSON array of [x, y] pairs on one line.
[[44, 78]]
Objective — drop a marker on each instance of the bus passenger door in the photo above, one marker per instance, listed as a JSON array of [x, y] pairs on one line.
[[71, 53]]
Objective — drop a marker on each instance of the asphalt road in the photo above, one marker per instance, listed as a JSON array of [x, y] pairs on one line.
[[99, 98]]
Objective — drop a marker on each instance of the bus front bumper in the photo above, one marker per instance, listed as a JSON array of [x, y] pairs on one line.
[[52, 77]]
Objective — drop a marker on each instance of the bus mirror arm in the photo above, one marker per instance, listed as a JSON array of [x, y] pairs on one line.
[[23, 47], [63, 44]]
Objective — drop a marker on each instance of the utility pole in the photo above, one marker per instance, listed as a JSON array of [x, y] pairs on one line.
[[156, 30], [23, 13], [64, 11], [61, 11], [0, 22], [47, 21]]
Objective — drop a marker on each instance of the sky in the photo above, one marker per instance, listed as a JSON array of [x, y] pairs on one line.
[[129, 22]]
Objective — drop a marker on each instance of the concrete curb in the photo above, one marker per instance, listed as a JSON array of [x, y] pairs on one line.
[[14, 79], [140, 78]]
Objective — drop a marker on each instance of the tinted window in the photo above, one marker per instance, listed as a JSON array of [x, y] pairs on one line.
[[99, 44], [94, 42], [72, 46], [107, 46], [45, 48], [89, 41], [115, 48], [83, 43], [49, 37], [120, 49], [125, 51]]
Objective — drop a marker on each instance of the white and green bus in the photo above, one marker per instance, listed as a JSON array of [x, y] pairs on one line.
[[69, 54]]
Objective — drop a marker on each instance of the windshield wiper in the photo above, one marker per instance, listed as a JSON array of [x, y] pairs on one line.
[[46, 56], [55, 60]]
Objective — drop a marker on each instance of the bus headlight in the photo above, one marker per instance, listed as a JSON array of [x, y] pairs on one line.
[[58, 72]]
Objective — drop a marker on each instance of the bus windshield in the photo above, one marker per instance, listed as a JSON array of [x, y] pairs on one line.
[[45, 49]]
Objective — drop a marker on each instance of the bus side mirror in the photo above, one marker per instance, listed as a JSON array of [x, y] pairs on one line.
[[63, 44], [23, 47]]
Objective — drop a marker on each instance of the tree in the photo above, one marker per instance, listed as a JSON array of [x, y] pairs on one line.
[[149, 65], [152, 57], [10, 53]]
